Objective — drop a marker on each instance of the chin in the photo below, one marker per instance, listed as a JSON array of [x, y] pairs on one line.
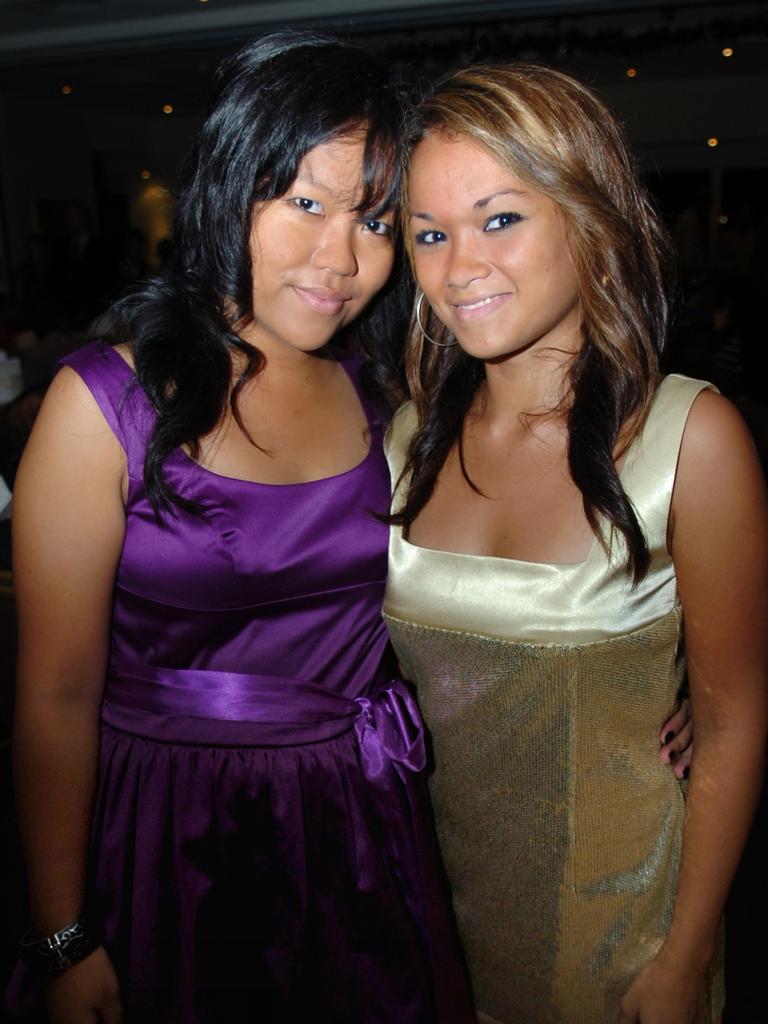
[[485, 348], [314, 345], [493, 348]]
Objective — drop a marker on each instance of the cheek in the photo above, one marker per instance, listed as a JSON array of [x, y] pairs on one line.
[[562, 261], [268, 268], [424, 270], [375, 270], [548, 270], [564, 275], [276, 241]]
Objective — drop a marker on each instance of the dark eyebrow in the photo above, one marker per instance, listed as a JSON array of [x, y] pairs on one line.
[[482, 203], [350, 201], [479, 205]]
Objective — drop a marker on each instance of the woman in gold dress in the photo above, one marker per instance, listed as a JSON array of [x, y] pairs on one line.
[[566, 521]]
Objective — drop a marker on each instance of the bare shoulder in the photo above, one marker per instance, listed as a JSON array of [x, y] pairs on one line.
[[69, 410], [714, 427], [71, 437], [719, 478], [68, 393]]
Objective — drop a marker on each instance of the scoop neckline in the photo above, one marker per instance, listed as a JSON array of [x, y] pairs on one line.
[[560, 566], [187, 458]]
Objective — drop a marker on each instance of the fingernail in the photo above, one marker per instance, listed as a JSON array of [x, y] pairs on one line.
[[686, 771], [670, 736]]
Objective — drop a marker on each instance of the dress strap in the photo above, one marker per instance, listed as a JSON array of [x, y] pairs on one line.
[[396, 442], [120, 397], [650, 467], [352, 365]]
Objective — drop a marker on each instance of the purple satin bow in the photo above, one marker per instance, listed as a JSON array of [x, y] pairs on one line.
[[390, 731], [232, 708]]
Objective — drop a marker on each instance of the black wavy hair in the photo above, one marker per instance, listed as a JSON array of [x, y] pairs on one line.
[[271, 103]]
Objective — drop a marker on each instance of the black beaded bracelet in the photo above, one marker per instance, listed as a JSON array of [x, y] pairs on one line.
[[65, 948]]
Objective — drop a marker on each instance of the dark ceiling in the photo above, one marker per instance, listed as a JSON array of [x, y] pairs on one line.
[[139, 54]]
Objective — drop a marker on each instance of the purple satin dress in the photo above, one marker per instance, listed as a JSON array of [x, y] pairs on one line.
[[262, 842]]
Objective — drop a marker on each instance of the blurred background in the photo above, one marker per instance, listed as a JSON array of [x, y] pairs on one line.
[[99, 100]]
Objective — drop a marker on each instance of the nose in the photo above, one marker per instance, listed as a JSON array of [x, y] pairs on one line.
[[465, 265], [335, 251]]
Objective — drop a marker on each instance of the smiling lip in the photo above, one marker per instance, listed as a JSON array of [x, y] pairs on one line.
[[322, 300], [479, 308]]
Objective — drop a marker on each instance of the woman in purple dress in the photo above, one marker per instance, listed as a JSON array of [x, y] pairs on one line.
[[219, 777]]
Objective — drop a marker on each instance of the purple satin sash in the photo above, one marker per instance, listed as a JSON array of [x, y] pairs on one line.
[[239, 709]]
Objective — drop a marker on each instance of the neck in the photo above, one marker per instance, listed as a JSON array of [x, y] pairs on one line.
[[532, 382], [287, 367]]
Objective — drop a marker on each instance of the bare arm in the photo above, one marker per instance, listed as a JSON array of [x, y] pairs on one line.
[[720, 549], [68, 532]]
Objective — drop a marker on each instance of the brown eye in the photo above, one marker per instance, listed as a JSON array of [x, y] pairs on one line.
[[429, 237], [307, 205], [501, 221], [378, 227]]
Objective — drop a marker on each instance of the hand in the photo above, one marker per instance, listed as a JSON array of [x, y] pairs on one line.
[[86, 993], [663, 993], [676, 739]]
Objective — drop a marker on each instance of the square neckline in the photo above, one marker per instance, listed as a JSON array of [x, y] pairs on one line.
[[598, 541], [351, 372]]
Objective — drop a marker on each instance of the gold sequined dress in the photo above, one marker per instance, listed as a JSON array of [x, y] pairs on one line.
[[544, 688]]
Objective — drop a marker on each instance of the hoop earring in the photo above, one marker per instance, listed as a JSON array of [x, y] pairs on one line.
[[439, 344]]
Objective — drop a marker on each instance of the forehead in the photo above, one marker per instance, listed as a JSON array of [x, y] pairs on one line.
[[459, 169], [335, 167]]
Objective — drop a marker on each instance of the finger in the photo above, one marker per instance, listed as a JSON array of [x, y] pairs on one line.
[[673, 725], [673, 751], [683, 763], [684, 738]]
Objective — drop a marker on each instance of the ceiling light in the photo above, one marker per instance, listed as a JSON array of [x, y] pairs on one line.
[[713, 142], [631, 72], [167, 108], [66, 90], [146, 175], [727, 51]]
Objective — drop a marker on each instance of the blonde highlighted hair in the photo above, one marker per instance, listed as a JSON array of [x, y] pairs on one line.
[[556, 135]]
